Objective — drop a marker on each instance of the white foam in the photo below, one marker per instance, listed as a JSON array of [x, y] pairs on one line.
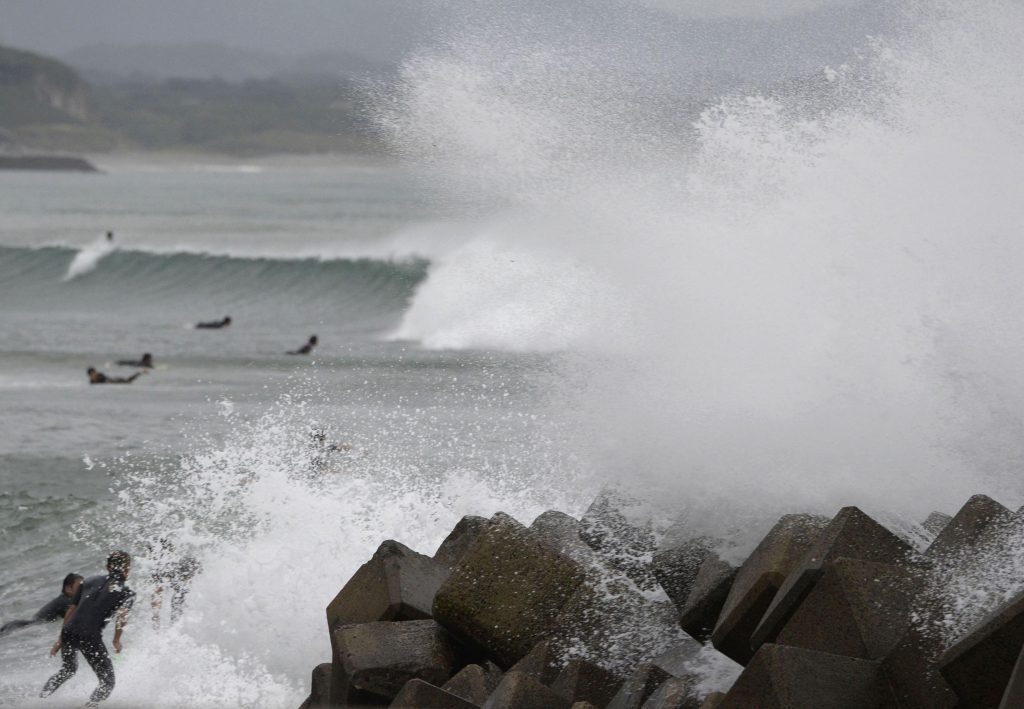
[[88, 257]]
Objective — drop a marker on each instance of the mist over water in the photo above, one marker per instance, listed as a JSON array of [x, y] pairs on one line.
[[807, 296]]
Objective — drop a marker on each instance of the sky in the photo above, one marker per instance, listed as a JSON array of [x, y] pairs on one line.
[[382, 30]]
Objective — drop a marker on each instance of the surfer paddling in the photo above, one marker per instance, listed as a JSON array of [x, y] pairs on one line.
[[306, 348], [146, 362], [54, 610], [96, 377], [96, 601], [214, 324]]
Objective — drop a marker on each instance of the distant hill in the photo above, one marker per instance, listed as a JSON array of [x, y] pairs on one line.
[[37, 89], [46, 106], [112, 64]]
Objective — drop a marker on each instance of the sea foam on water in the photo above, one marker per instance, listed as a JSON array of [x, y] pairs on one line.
[[795, 301]]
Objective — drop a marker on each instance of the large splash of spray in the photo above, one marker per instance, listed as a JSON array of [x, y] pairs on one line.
[[793, 299]]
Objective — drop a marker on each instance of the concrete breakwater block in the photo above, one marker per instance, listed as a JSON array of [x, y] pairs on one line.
[[857, 608], [615, 626], [674, 693], [320, 688], [395, 584], [506, 592], [1013, 697], [519, 691], [460, 539], [474, 683], [581, 680], [979, 666], [676, 567], [850, 534], [417, 694], [780, 677], [979, 516], [541, 663], [639, 686], [616, 527], [912, 671], [713, 700], [759, 579], [379, 658], [699, 614], [936, 522]]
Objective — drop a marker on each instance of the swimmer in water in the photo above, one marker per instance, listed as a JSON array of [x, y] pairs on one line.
[[214, 324], [110, 236], [306, 348], [172, 571], [101, 378], [54, 610], [145, 363], [96, 601]]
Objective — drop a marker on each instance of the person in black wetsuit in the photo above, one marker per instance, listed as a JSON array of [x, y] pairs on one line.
[[145, 363], [101, 378], [96, 601], [54, 610], [214, 324], [306, 348]]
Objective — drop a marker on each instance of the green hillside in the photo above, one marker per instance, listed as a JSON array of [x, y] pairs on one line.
[[45, 105]]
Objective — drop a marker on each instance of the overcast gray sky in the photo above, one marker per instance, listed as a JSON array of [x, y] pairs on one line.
[[741, 36]]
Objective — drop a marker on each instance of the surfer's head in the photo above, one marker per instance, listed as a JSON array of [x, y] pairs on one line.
[[119, 563], [71, 584]]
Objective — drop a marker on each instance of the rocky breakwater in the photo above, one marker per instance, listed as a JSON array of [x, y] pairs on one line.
[[591, 613]]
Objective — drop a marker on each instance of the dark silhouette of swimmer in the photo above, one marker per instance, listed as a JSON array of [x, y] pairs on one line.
[[101, 378], [110, 236], [96, 601], [214, 324], [146, 362], [306, 348], [54, 610], [172, 571]]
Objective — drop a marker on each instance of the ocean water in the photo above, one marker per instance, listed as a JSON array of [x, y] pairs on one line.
[[212, 448], [781, 299]]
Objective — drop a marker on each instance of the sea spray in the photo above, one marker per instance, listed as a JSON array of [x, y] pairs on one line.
[[817, 279], [279, 523]]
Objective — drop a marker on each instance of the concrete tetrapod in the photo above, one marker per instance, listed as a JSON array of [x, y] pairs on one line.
[[320, 687], [979, 665], [857, 608], [474, 683], [584, 681], [851, 534], [505, 593], [519, 691], [759, 579], [699, 614], [616, 527], [395, 584], [979, 515], [460, 539], [379, 658], [417, 694], [780, 677]]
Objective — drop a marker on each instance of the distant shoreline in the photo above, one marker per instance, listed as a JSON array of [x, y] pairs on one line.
[[59, 163]]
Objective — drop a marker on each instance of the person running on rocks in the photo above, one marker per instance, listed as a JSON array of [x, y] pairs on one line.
[[101, 378], [54, 610], [306, 348], [214, 324], [146, 362], [96, 601]]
